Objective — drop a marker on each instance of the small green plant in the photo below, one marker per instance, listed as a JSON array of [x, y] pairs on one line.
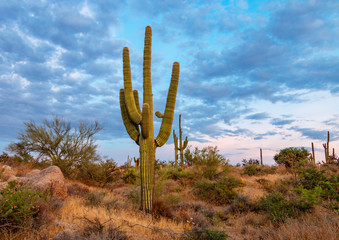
[[176, 173], [219, 192], [251, 170], [19, 204], [130, 176], [206, 234]]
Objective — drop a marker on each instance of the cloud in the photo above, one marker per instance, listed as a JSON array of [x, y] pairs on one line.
[[313, 133], [281, 122], [257, 116]]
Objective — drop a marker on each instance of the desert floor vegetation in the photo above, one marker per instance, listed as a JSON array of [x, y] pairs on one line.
[[206, 200]]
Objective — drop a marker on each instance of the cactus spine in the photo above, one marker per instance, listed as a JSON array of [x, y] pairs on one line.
[[133, 117], [179, 146]]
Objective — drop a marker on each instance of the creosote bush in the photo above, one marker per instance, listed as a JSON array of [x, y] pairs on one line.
[[206, 234], [279, 208], [219, 192]]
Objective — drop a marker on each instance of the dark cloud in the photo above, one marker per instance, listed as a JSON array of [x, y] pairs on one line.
[[281, 121], [257, 116], [313, 133]]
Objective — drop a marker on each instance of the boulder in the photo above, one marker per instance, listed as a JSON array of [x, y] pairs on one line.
[[50, 181], [33, 173], [7, 172], [12, 178]]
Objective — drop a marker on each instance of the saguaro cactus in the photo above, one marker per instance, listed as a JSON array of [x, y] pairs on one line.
[[313, 156], [179, 146], [327, 148], [139, 122]]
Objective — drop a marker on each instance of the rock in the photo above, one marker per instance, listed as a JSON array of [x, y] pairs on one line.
[[33, 173], [7, 173], [49, 181], [3, 185], [12, 178]]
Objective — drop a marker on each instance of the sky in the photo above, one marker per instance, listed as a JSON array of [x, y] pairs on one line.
[[253, 74]]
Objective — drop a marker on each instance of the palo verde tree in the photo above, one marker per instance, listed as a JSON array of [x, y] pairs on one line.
[[59, 143], [139, 122]]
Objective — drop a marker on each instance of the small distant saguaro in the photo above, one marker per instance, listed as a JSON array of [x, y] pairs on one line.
[[179, 146], [261, 161], [139, 122]]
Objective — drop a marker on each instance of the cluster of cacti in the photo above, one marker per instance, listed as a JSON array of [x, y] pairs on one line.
[[179, 146], [135, 118]]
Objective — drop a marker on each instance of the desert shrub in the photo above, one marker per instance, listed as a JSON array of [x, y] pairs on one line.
[[251, 161], [19, 205], [311, 178], [292, 157], [162, 208], [96, 230], [208, 156], [77, 190], [176, 173], [219, 192], [102, 172], [94, 199], [206, 234], [251, 170], [241, 204], [130, 176], [279, 208], [330, 188], [134, 196]]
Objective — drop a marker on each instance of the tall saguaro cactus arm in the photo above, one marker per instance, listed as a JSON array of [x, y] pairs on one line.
[[131, 106], [167, 120], [131, 128]]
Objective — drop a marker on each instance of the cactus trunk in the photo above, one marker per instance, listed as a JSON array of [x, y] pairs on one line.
[[139, 123], [313, 156]]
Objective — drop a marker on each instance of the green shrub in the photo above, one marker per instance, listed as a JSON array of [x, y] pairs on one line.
[[206, 234], [19, 204], [251, 170], [279, 208], [208, 156], [311, 178], [330, 188], [102, 172], [219, 192], [292, 157], [176, 173], [130, 176]]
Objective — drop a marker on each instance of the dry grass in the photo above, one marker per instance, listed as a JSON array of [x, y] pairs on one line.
[[123, 213], [133, 222], [318, 225]]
